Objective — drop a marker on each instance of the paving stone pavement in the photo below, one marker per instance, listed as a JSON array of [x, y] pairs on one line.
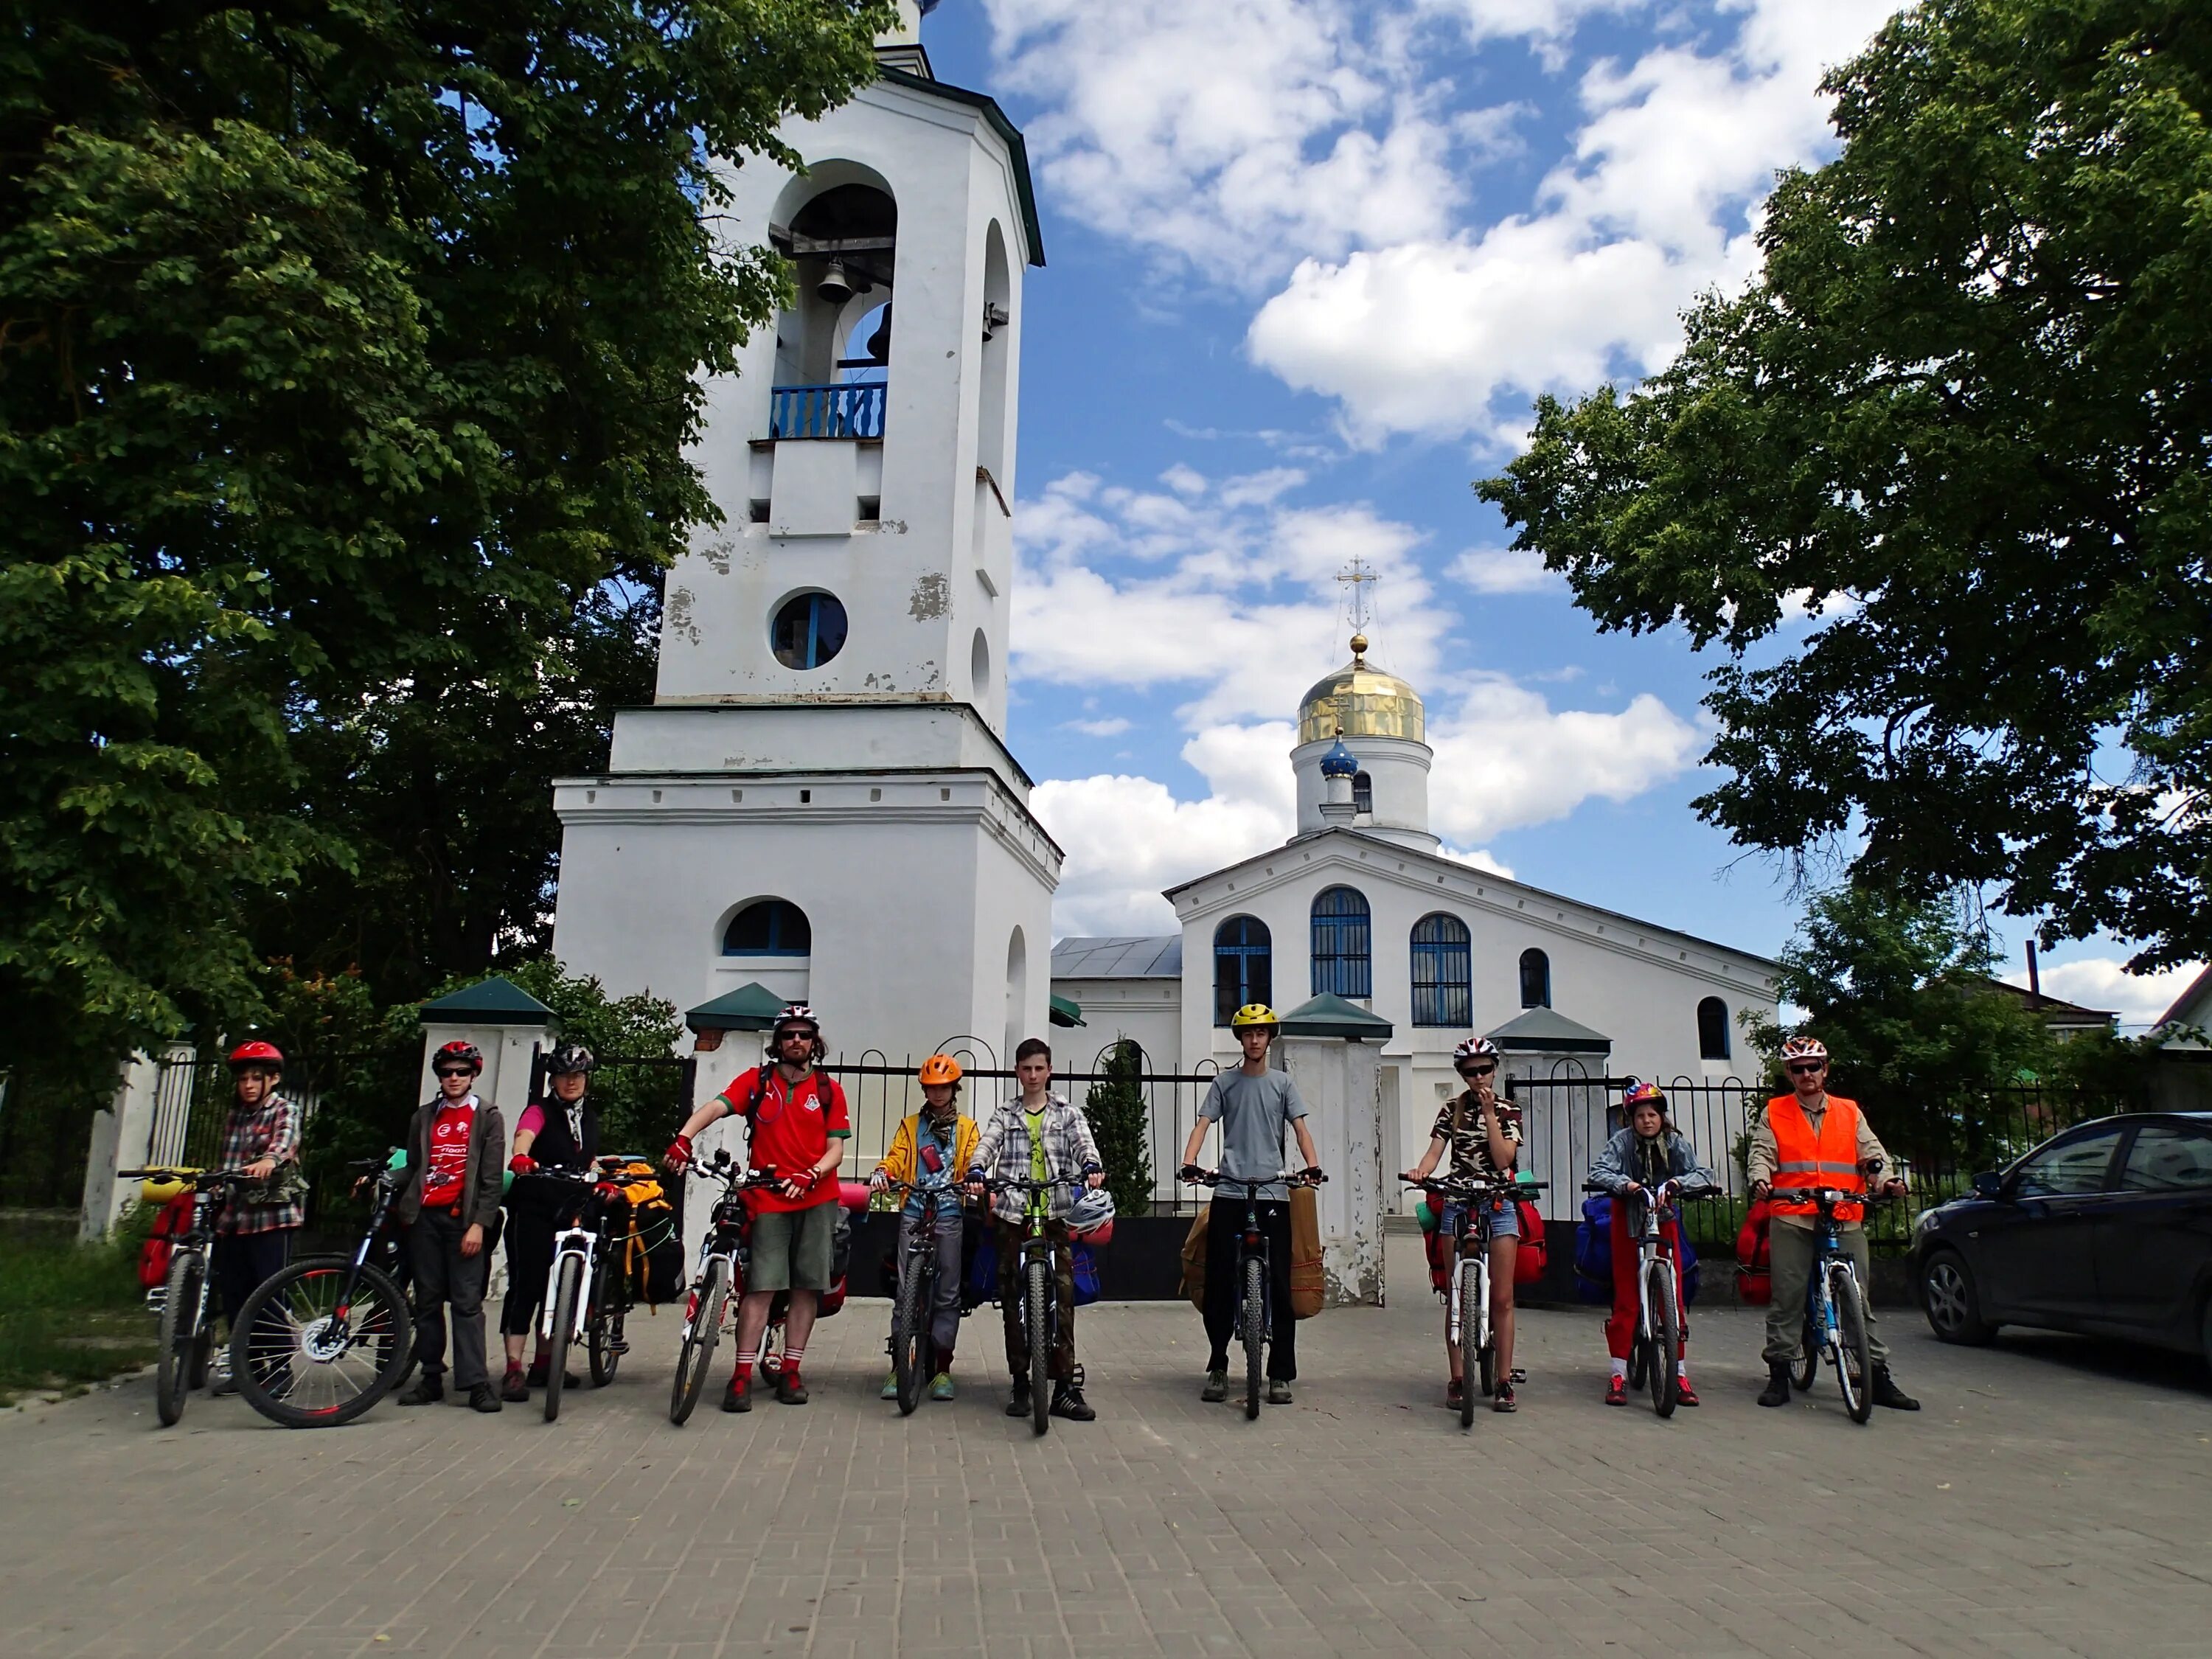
[[2052, 1499]]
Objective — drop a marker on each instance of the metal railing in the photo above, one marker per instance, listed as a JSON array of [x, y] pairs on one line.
[[826, 412]]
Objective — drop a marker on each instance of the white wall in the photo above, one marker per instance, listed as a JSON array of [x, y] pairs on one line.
[[1148, 1011], [1398, 771]]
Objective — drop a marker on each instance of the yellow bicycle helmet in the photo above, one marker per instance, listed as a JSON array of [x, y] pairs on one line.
[[1253, 1013]]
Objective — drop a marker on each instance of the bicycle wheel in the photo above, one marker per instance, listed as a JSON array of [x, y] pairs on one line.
[[910, 1336], [1254, 1321], [1854, 1360], [1485, 1339], [1807, 1369], [1638, 1355], [1040, 1323], [1470, 1330], [709, 1299], [307, 1356], [568, 1289], [1664, 1346], [603, 1336], [181, 1314]]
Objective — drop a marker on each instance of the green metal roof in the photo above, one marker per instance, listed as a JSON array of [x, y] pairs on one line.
[[1539, 1030], [494, 1001], [1067, 1011], [751, 1007], [1329, 1016]]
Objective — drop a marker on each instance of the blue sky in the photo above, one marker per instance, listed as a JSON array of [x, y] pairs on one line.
[[1310, 261]]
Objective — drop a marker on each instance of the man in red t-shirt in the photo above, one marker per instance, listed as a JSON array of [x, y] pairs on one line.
[[449, 1206], [798, 1124]]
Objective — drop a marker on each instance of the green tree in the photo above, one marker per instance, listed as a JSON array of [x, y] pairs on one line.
[[1961, 416], [346, 352], [1121, 1122], [1898, 986]]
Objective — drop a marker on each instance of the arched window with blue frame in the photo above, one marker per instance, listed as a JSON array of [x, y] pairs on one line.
[[1444, 973], [769, 928], [1244, 966], [1342, 961], [1536, 979]]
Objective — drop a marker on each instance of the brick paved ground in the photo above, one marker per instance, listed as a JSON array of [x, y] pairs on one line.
[[2050, 1501]]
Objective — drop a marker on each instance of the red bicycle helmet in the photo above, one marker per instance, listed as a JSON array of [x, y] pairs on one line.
[[257, 1053], [466, 1053]]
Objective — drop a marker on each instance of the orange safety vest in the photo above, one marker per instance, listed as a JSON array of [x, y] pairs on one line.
[[1802, 1158]]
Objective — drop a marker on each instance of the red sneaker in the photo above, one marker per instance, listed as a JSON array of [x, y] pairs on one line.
[[1684, 1393], [1616, 1391]]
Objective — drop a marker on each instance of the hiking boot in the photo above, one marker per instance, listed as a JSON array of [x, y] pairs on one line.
[[1022, 1402], [428, 1391], [1777, 1392], [1067, 1401], [535, 1377], [891, 1387], [940, 1386], [1886, 1393], [1684, 1393], [512, 1388], [482, 1397], [1616, 1391], [1279, 1392], [789, 1390], [1217, 1387], [739, 1396]]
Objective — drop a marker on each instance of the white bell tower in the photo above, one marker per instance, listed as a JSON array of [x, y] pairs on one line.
[[820, 798]]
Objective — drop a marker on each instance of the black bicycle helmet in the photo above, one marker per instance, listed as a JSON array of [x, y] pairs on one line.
[[567, 1058]]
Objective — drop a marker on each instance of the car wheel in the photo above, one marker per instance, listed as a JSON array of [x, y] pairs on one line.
[[1949, 1299]]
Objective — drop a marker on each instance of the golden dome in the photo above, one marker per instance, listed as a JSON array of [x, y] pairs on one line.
[[1363, 701]]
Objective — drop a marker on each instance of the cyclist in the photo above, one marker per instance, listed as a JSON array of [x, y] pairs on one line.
[[256, 1225], [928, 1153], [450, 1201], [1254, 1106], [1483, 1134], [1038, 1136], [798, 1124], [1810, 1138], [562, 1133], [1645, 1151]]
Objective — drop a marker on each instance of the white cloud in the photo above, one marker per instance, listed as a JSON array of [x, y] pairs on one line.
[[1113, 727], [2104, 982], [1505, 570]]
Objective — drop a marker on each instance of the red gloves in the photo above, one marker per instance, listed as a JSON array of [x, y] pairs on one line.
[[522, 1164], [678, 1153]]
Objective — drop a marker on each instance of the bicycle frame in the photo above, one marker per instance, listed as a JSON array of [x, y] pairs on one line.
[[1829, 1259], [586, 1239]]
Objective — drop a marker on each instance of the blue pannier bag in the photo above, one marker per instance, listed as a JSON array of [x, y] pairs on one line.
[[1086, 1274], [1594, 1254]]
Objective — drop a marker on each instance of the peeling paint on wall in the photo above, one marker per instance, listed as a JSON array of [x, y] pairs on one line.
[[677, 618], [933, 597], [717, 554]]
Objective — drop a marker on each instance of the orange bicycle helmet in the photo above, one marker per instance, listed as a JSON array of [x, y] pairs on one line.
[[939, 1068]]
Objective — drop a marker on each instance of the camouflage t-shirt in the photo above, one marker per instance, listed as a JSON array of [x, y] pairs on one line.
[[1469, 1143]]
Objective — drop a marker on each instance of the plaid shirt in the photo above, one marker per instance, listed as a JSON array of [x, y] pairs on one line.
[[1003, 1151], [251, 1133]]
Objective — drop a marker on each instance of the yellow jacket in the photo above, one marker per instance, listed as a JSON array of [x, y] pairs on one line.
[[902, 1162]]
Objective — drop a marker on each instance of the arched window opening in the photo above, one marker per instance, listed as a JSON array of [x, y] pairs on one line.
[[833, 345], [1444, 973], [1712, 1030], [808, 630], [1244, 966], [1341, 962], [1363, 792], [769, 928], [1536, 979]]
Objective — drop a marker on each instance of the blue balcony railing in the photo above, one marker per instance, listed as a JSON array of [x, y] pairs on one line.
[[826, 412]]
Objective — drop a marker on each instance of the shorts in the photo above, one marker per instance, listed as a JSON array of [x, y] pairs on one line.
[[1505, 1219], [792, 1249]]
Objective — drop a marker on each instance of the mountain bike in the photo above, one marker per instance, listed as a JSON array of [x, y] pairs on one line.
[[183, 1298], [1466, 1308], [913, 1347], [325, 1337], [1653, 1356], [590, 1296], [724, 1254], [1031, 1284], [1835, 1304], [1255, 1310]]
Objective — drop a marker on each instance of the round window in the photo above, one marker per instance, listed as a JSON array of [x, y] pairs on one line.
[[809, 629]]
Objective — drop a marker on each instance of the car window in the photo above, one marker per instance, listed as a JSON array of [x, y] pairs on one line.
[[2166, 1159], [2072, 1167]]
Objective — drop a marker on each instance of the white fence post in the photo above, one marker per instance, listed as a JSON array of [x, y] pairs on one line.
[[122, 1138]]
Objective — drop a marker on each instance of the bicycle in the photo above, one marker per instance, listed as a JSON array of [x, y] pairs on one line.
[[590, 1296], [1032, 1283], [1467, 1307], [913, 1347], [724, 1254], [1835, 1304], [1255, 1299], [1657, 1347], [182, 1297], [339, 1327]]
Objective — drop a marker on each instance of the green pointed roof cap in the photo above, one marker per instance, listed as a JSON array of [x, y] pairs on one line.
[[1539, 1030], [1066, 1010], [751, 1007], [495, 1001], [1329, 1016]]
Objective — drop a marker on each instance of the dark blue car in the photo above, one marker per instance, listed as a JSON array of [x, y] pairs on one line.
[[2106, 1229]]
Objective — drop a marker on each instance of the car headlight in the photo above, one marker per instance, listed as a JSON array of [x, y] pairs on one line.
[[1925, 1222]]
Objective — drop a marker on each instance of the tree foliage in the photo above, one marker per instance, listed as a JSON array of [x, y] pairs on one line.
[[1964, 417], [1121, 1122], [346, 352]]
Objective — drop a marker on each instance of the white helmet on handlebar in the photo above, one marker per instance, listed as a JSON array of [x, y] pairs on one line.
[[1091, 1211]]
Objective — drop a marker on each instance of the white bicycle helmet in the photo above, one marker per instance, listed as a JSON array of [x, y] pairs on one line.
[[1092, 1211]]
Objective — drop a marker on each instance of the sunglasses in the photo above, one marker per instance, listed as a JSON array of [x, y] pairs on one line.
[[1478, 1070], [1809, 1069], [454, 1070]]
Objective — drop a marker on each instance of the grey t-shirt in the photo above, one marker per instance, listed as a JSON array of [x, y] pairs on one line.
[[1255, 1113]]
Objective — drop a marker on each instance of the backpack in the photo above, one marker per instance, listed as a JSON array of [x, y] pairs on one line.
[[653, 1247], [1755, 1274], [171, 1222]]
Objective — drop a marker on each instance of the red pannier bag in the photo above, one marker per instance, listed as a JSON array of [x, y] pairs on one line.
[[1755, 1274], [173, 1222], [1529, 1261]]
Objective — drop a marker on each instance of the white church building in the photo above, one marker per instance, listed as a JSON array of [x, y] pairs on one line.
[[819, 804]]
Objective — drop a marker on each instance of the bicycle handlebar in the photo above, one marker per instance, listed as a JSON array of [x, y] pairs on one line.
[[1462, 1186], [1680, 1192], [201, 1180], [1287, 1178]]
